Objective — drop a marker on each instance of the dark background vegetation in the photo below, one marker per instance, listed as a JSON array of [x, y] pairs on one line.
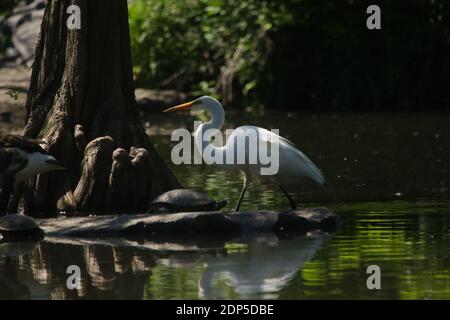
[[304, 54], [299, 54]]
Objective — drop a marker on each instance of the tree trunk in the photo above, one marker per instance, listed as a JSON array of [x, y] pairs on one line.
[[82, 90]]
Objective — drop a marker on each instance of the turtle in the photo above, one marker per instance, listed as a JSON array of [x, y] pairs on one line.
[[19, 226], [185, 200]]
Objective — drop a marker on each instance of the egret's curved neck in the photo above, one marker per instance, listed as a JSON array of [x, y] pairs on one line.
[[216, 122]]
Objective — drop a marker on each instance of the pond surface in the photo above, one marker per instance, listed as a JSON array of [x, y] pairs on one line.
[[390, 174]]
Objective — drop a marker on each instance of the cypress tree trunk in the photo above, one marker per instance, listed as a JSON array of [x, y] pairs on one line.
[[81, 101]]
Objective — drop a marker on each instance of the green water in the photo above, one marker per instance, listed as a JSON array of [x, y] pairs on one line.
[[390, 174]]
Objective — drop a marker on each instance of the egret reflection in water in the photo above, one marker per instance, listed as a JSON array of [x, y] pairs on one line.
[[259, 271]]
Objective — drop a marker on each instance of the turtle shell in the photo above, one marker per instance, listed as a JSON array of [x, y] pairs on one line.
[[184, 199], [17, 222]]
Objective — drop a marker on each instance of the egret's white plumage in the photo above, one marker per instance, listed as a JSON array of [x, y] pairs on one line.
[[294, 166]]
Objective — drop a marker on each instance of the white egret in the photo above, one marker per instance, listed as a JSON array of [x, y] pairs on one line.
[[294, 167]]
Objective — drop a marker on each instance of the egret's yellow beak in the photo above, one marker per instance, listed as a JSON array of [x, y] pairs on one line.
[[180, 107]]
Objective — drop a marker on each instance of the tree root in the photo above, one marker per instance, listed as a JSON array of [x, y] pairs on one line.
[[112, 180]]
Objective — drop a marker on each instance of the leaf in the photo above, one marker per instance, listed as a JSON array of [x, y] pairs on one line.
[[13, 94]]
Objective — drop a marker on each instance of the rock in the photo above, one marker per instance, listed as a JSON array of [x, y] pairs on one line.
[[307, 219], [157, 100], [192, 223], [187, 223]]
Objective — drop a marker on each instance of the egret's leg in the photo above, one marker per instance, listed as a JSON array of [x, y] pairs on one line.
[[244, 188], [291, 201]]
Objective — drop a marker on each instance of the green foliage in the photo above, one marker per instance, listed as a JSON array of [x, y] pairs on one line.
[[13, 94], [193, 45]]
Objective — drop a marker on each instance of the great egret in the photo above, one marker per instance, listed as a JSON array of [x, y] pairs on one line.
[[294, 167]]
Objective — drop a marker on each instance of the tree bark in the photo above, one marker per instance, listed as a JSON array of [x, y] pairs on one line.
[[81, 101]]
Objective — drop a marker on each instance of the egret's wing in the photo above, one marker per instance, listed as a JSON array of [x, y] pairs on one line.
[[289, 154]]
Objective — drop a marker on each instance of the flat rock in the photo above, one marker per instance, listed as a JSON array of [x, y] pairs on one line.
[[191, 223]]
